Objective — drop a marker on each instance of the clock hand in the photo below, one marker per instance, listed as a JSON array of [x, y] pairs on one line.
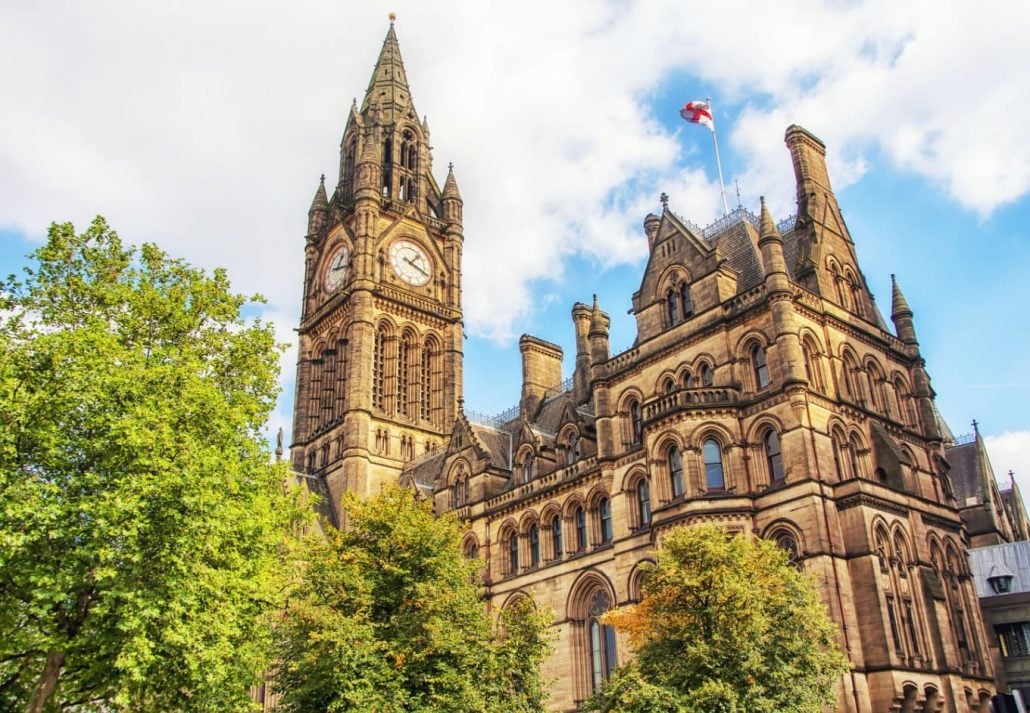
[[415, 265]]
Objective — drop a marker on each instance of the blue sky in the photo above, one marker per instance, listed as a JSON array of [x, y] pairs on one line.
[[204, 129]]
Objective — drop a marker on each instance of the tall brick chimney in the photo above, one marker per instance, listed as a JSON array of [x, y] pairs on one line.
[[541, 372]]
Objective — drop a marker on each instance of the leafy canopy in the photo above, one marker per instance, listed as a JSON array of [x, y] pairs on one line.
[[385, 617], [726, 625], [140, 519]]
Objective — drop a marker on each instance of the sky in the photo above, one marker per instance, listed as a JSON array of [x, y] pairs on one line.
[[203, 127]]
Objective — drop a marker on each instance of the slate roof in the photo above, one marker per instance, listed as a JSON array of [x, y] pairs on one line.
[[736, 238], [497, 444], [966, 473]]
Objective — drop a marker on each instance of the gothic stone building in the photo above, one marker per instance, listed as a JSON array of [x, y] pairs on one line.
[[764, 392]]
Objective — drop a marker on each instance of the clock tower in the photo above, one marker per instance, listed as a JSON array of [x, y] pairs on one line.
[[380, 360]]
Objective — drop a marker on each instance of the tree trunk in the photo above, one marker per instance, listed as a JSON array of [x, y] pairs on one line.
[[47, 681]]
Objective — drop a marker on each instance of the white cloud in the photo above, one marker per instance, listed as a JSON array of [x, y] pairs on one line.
[[204, 127], [1010, 452]]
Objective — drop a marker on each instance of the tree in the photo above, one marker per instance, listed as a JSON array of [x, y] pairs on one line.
[[386, 617], [140, 518], [726, 625]]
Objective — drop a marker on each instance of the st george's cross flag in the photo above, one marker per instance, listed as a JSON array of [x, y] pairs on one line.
[[698, 112]]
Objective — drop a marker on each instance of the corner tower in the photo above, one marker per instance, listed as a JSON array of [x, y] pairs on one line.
[[380, 360]]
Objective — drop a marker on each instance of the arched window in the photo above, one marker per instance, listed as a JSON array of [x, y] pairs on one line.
[[686, 380], [853, 451], [670, 307], [773, 457], [602, 640], [813, 372], [534, 545], [379, 369], [425, 401], [571, 450], [675, 461], [685, 303], [404, 359], [557, 547], [527, 467], [513, 553], [472, 551], [712, 454], [643, 503], [839, 446], [604, 511], [668, 386], [459, 491], [848, 371], [580, 518], [786, 541], [636, 422], [760, 367], [707, 376]]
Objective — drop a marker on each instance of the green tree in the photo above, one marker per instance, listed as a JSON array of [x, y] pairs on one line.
[[385, 617], [140, 518], [726, 625]]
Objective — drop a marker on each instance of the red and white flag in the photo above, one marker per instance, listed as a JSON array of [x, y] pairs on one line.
[[698, 112]]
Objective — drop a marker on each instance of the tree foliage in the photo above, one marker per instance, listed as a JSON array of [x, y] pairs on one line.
[[386, 617], [726, 625], [140, 519]]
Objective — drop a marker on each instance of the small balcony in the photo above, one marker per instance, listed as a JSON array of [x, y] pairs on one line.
[[702, 397]]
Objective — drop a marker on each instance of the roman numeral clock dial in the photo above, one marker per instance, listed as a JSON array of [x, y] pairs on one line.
[[336, 270], [410, 263]]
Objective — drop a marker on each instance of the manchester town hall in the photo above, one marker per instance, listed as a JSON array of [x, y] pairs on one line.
[[764, 392]]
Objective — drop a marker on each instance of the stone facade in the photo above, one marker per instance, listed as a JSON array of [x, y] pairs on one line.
[[764, 392]]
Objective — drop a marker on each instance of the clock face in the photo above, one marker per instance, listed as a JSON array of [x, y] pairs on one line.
[[410, 263], [336, 269]]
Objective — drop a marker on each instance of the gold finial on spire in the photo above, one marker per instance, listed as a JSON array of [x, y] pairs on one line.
[[393, 16]]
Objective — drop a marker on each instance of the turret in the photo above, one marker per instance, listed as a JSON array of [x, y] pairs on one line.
[[581, 318], [451, 198], [901, 315], [368, 181], [318, 213], [599, 324], [651, 224], [808, 154], [778, 287]]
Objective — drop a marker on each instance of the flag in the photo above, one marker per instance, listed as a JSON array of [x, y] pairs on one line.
[[698, 112]]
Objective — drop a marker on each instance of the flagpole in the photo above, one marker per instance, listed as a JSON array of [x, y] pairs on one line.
[[718, 163]]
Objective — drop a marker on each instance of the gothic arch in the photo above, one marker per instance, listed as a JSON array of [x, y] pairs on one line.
[[528, 518], [634, 583], [577, 602], [517, 596], [666, 383], [571, 503]]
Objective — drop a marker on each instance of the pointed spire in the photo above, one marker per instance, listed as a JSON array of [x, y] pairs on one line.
[[899, 305], [450, 186], [767, 227], [318, 214], [425, 125], [321, 201], [901, 315], [389, 83]]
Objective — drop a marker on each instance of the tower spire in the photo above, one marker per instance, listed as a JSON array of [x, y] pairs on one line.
[[318, 214], [388, 87], [901, 314]]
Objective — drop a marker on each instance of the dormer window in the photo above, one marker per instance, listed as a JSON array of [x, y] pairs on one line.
[[526, 467]]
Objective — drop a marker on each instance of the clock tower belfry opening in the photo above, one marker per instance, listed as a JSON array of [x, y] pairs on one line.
[[380, 356]]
